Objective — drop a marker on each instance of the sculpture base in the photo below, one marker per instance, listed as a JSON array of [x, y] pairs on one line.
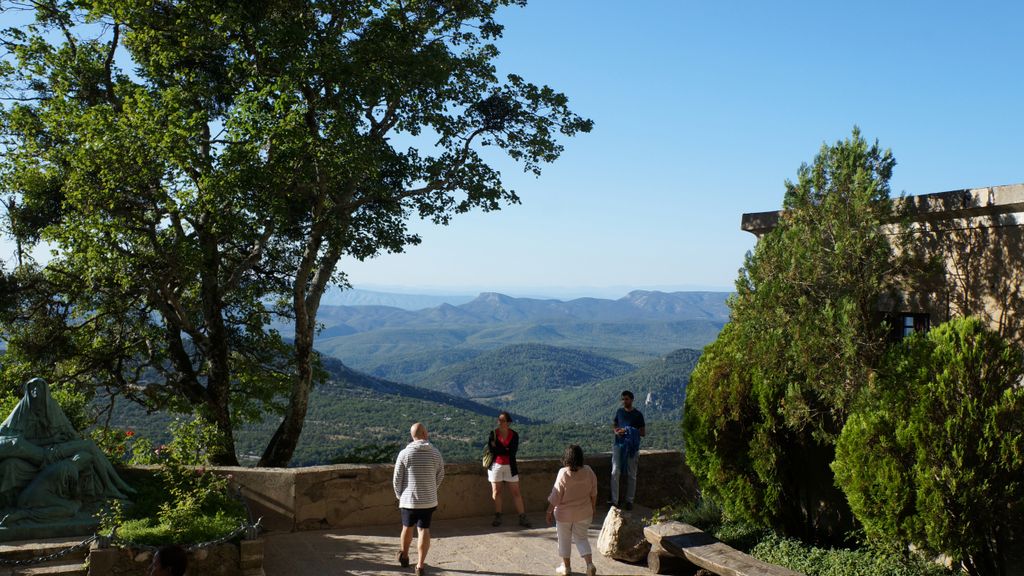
[[77, 526]]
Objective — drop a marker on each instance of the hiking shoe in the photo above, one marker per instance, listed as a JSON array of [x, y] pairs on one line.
[[591, 570], [628, 506], [524, 521], [403, 559], [613, 504], [497, 519], [561, 571]]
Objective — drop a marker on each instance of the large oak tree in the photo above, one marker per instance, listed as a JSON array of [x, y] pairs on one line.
[[198, 166]]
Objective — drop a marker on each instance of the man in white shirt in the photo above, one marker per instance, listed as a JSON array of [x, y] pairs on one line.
[[419, 471]]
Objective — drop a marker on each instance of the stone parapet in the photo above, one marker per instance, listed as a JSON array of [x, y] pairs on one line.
[[348, 495]]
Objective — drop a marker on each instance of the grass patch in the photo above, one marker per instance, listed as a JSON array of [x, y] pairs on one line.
[[813, 561], [792, 553], [201, 528]]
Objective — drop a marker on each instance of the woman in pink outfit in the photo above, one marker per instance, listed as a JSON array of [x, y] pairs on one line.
[[571, 507]]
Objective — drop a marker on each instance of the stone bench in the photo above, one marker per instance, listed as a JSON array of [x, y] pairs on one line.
[[681, 540]]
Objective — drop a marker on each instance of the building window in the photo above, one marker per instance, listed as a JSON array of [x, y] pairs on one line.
[[906, 323]]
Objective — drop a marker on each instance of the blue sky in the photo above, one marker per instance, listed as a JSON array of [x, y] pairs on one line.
[[702, 111]]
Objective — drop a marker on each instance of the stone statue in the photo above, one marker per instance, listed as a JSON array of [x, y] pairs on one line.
[[47, 470]]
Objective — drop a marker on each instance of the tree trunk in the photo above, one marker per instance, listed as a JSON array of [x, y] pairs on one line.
[[218, 354], [306, 301], [282, 444]]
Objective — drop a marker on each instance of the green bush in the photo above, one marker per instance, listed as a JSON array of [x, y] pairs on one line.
[[721, 421], [181, 501], [814, 561], [934, 452], [769, 397]]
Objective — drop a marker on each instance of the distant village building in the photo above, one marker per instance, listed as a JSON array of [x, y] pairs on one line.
[[979, 234]]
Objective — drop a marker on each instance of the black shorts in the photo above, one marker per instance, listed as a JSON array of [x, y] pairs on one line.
[[419, 517]]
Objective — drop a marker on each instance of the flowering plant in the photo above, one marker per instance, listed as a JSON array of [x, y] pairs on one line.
[[191, 500]]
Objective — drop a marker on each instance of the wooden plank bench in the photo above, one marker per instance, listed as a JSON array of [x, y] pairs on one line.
[[703, 550]]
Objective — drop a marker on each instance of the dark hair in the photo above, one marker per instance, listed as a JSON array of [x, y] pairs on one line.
[[627, 393], [172, 557], [573, 457], [508, 417]]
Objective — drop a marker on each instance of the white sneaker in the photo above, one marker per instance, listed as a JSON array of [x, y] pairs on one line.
[[561, 571], [591, 570]]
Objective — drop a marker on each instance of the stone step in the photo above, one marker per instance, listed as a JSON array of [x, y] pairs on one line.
[[29, 549], [68, 569]]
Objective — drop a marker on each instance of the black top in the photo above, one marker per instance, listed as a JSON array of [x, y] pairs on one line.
[[499, 449]]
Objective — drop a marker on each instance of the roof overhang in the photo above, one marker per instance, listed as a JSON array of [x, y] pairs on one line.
[[965, 203]]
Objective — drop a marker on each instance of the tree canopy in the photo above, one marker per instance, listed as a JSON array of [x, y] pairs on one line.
[[932, 452], [769, 397], [197, 167]]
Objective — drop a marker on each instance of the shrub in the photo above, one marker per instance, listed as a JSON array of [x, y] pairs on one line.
[[814, 561], [768, 399], [183, 501], [934, 452]]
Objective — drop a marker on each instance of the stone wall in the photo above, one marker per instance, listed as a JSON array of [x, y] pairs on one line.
[[345, 495], [242, 559]]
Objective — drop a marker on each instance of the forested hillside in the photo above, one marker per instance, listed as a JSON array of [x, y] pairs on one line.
[[353, 410], [522, 369], [627, 341], [659, 386], [559, 367]]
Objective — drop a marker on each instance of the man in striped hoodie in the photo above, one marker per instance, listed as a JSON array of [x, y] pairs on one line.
[[419, 471]]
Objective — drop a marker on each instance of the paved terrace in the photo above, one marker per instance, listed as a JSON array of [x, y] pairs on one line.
[[458, 546]]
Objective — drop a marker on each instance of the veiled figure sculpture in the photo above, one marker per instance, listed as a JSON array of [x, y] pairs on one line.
[[49, 473]]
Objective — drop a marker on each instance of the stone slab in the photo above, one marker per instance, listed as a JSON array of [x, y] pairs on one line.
[[83, 527], [708, 552]]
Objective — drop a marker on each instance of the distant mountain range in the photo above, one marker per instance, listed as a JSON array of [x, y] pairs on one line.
[[495, 308], [638, 326], [357, 297]]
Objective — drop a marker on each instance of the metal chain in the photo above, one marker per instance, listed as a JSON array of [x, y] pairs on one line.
[[48, 557]]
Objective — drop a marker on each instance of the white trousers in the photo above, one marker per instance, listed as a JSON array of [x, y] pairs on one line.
[[569, 531]]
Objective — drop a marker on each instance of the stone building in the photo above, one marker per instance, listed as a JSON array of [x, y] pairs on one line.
[[977, 235]]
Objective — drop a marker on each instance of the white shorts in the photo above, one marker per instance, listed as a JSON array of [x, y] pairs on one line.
[[501, 473]]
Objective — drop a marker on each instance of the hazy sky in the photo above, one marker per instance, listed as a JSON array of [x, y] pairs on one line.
[[702, 110]]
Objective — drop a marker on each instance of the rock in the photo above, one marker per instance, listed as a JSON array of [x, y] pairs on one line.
[[622, 536]]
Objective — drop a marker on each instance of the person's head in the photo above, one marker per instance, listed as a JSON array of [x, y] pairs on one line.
[[504, 419], [573, 457], [169, 561], [36, 392], [418, 431], [627, 399]]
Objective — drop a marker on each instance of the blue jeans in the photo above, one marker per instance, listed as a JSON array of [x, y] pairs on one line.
[[619, 459]]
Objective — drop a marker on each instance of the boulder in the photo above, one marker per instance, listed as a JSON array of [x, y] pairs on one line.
[[622, 535]]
